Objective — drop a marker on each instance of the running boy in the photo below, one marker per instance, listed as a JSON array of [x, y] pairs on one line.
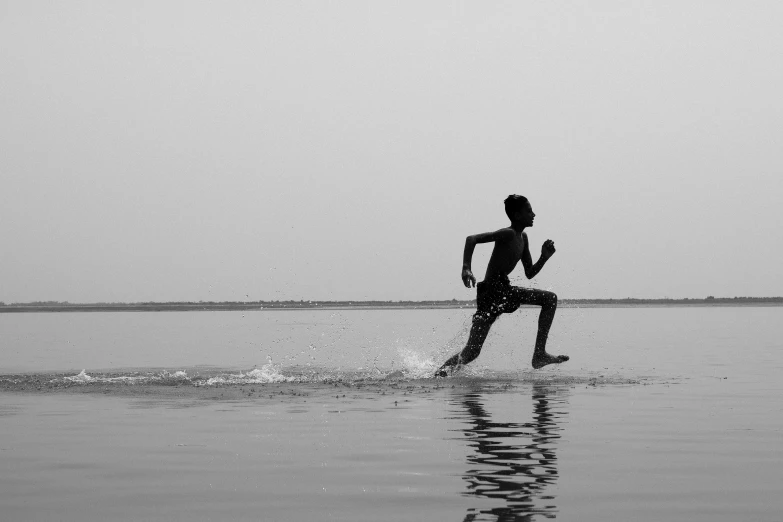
[[495, 295]]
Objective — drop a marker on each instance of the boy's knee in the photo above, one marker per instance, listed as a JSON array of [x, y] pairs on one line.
[[550, 299]]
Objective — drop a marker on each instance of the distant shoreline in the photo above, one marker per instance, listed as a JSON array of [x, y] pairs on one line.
[[369, 305]]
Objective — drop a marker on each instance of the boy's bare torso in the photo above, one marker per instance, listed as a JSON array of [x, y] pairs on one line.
[[506, 254]]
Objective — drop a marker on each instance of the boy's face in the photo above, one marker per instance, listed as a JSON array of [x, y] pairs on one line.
[[525, 215]]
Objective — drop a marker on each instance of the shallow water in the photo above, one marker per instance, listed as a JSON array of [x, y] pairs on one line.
[[662, 414]]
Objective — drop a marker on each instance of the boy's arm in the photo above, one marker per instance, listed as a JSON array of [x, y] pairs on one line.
[[547, 250], [504, 234]]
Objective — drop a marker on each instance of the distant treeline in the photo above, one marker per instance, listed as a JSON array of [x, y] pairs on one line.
[[65, 306], [685, 301]]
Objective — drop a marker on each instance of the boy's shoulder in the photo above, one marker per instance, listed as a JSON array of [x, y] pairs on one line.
[[505, 234], [509, 236], [510, 233]]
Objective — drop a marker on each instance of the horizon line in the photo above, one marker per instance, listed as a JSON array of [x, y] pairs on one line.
[[358, 301]]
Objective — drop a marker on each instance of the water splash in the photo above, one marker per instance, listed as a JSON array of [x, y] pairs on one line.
[[413, 365], [268, 373], [416, 365], [84, 378]]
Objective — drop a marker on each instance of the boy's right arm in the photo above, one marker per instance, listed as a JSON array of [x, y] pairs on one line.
[[470, 244]]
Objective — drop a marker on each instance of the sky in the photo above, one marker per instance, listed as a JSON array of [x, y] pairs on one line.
[[244, 150]]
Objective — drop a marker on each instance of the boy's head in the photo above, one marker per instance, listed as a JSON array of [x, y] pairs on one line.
[[514, 204], [519, 211]]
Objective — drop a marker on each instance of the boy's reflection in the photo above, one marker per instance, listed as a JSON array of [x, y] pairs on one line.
[[514, 462]]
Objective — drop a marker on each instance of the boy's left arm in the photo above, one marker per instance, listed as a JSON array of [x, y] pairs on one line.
[[547, 251]]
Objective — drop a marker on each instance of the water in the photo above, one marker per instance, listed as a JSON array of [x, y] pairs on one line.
[[661, 414]]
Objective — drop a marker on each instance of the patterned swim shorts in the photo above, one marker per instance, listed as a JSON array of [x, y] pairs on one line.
[[497, 296]]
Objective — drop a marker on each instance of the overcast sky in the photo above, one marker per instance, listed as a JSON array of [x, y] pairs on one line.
[[184, 150]]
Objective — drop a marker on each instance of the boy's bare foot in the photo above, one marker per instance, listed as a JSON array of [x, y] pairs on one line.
[[446, 371], [539, 361]]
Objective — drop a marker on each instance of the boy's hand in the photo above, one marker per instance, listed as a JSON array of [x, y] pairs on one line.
[[467, 277], [548, 249]]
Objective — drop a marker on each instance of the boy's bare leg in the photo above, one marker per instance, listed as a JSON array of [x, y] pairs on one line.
[[548, 303], [478, 334]]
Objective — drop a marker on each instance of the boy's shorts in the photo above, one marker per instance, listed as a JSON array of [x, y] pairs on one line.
[[496, 297]]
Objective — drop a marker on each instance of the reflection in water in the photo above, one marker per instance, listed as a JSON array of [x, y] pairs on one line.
[[514, 462]]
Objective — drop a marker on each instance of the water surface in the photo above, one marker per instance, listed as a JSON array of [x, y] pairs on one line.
[[662, 414]]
